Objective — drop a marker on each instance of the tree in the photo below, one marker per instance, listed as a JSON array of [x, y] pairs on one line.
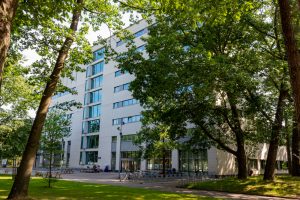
[[7, 13], [100, 12], [293, 58], [55, 129], [20, 186]]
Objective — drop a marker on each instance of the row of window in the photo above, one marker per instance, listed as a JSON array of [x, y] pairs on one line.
[[60, 94], [120, 88], [124, 103], [136, 35], [126, 120]]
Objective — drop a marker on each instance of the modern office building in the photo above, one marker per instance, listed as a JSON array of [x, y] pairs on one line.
[[95, 139]]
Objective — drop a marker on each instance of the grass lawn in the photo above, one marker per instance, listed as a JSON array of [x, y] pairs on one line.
[[68, 190], [283, 186]]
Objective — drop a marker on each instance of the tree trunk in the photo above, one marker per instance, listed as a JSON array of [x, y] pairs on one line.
[[19, 189], [295, 152], [274, 141], [8, 10], [235, 126], [293, 57], [50, 169], [242, 162], [288, 146]]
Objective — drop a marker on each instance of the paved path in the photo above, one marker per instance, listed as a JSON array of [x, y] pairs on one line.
[[169, 186]]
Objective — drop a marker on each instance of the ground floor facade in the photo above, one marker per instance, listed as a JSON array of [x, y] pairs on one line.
[[125, 156]]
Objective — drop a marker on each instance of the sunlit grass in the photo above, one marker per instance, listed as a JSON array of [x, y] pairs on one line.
[[285, 186], [69, 190]]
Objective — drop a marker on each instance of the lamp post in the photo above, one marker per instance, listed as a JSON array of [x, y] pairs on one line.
[[120, 157]]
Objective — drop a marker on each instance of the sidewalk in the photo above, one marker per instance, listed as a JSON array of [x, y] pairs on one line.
[[170, 186]]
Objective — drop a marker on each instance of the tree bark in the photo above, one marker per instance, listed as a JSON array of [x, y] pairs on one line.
[[240, 141], [8, 10], [288, 146], [295, 151], [275, 135], [19, 189], [293, 57]]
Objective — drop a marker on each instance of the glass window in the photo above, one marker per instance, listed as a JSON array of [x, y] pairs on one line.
[[120, 42], [93, 126], [128, 138], [97, 68], [125, 103], [126, 120], [140, 48], [95, 96], [96, 82], [91, 157], [120, 72], [99, 54], [92, 141], [141, 32], [126, 86], [114, 139], [94, 111]]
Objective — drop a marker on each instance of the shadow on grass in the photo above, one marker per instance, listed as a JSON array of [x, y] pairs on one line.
[[284, 186]]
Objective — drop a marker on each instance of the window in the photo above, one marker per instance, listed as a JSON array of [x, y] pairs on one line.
[[120, 72], [95, 96], [114, 139], [140, 33], [93, 126], [121, 87], [125, 103], [97, 68], [88, 157], [92, 141], [120, 42], [94, 111], [126, 120], [96, 82], [128, 138], [140, 48], [136, 35], [99, 54]]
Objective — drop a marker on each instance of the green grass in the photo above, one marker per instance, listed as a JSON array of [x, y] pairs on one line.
[[68, 190], [283, 186]]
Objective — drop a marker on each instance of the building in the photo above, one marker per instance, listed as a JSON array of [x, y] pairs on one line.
[[96, 139]]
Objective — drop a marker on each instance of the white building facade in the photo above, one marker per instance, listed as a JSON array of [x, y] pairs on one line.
[[96, 139]]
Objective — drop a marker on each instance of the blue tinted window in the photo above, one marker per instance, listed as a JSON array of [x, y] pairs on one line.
[[141, 32], [99, 54], [97, 68], [140, 48], [126, 120], [120, 42], [94, 111], [95, 96], [96, 82], [121, 87], [120, 72]]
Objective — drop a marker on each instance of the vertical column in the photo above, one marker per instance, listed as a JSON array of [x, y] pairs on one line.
[[118, 155], [175, 159]]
